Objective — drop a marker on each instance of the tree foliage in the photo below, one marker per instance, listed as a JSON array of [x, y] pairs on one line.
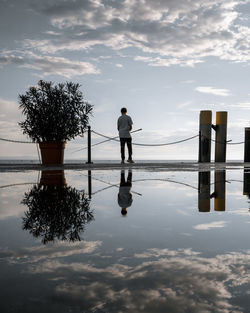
[[54, 112]]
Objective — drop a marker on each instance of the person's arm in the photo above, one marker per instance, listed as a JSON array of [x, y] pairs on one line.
[[130, 124], [118, 125]]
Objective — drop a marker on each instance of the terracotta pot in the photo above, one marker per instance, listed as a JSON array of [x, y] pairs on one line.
[[52, 152], [53, 178]]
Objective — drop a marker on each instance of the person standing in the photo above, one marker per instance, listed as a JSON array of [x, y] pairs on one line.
[[124, 126]]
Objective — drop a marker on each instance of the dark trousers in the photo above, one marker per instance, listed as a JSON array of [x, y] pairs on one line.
[[129, 144], [123, 182]]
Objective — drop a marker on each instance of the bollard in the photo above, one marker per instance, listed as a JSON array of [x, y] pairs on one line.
[[89, 184], [247, 145], [205, 136], [220, 191], [221, 137], [89, 146], [204, 192]]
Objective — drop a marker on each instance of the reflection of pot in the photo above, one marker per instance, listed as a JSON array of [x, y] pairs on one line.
[[53, 178], [52, 152], [55, 210]]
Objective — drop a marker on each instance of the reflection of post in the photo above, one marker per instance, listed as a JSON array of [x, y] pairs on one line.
[[89, 184], [246, 184], [220, 191], [204, 192]]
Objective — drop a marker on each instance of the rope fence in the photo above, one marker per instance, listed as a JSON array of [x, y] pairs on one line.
[[229, 142], [150, 144], [203, 140]]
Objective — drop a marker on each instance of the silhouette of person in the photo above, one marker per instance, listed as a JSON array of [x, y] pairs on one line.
[[124, 126], [125, 196]]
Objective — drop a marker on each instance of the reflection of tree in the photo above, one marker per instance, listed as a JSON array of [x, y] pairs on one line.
[[56, 211]]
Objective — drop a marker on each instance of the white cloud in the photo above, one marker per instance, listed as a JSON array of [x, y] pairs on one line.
[[177, 32], [241, 105], [213, 91], [51, 65]]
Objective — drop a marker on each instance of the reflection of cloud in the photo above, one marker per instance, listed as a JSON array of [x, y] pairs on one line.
[[175, 281], [208, 226], [50, 251], [240, 211], [158, 280]]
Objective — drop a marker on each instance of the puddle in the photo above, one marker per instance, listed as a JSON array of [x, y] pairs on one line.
[[125, 241]]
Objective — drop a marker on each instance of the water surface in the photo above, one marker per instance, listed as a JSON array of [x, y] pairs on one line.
[[125, 241]]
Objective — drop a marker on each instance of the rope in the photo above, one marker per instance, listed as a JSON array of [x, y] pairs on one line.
[[237, 143], [227, 141], [147, 145], [98, 143], [18, 141]]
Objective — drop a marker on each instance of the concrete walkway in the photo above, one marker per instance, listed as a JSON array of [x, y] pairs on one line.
[[148, 166]]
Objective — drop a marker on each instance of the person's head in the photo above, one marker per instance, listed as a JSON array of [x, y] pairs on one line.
[[123, 110], [124, 211]]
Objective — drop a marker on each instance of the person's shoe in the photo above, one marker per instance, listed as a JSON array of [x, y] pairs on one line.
[[131, 161], [122, 162]]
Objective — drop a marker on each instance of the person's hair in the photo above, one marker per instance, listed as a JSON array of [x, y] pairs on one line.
[[123, 110], [124, 211]]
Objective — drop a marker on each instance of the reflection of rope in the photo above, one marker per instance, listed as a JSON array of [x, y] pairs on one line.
[[138, 180], [110, 185], [151, 145], [18, 184], [166, 180]]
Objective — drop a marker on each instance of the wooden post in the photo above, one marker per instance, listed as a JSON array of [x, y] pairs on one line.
[[220, 191], [89, 184], [221, 137], [89, 146], [205, 136], [204, 192], [247, 145]]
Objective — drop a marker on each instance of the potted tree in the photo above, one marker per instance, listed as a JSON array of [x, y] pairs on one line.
[[54, 114]]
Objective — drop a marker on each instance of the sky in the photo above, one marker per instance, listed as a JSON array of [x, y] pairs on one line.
[[164, 60]]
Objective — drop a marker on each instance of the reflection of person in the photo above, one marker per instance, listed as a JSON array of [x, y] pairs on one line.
[[124, 126], [125, 196]]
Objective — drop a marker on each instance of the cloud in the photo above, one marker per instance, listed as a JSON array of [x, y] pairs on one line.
[[213, 91], [208, 226], [241, 105], [164, 32], [51, 65]]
